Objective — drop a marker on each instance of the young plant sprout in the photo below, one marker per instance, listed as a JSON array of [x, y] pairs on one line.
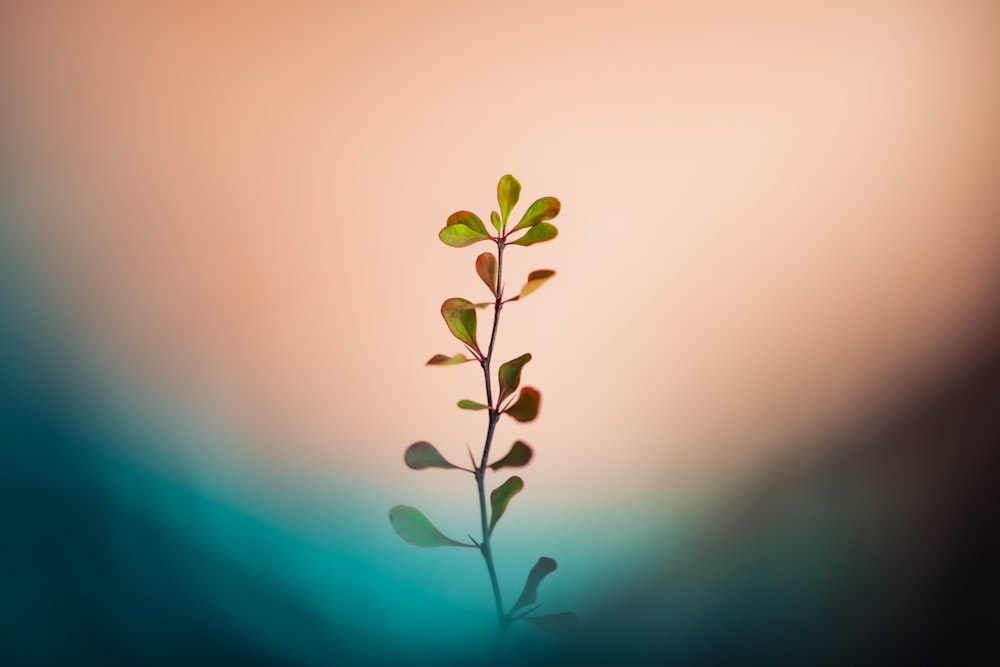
[[463, 229]]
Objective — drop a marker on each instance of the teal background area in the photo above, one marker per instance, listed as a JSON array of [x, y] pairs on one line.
[[116, 551], [113, 556]]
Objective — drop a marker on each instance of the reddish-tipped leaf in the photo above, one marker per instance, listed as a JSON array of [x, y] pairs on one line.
[[467, 218], [463, 228], [525, 408], [459, 236], [508, 192], [535, 280], [486, 267], [543, 568], [543, 231], [422, 455], [500, 498], [411, 525], [540, 210], [445, 360], [518, 456], [460, 316], [510, 375]]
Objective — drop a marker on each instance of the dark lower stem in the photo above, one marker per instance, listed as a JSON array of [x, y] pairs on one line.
[[485, 547], [494, 415]]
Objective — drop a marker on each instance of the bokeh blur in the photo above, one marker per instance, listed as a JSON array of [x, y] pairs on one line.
[[768, 359]]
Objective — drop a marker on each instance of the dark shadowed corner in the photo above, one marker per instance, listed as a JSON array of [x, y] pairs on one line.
[[884, 551]]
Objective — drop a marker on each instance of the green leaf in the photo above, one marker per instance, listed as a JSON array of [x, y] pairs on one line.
[[486, 267], [510, 375], [459, 236], [445, 360], [460, 316], [518, 456], [466, 404], [543, 231], [557, 626], [495, 219], [543, 568], [422, 455], [526, 407], [541, 210], [535, 280], [469, 219], [508, 192], [411, 525], [501, 497]]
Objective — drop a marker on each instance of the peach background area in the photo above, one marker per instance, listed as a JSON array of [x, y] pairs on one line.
[[777, 217]]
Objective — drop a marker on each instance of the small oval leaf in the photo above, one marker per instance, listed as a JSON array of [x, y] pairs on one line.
[[466, 404], [460, 316], [495, 219], [541, 232], [543, 568], [526, 407], [518, 456], [415, 528], [510, 375], [445, 360], [422, 455], [540, 210], [469, 219], [535, 280], [459, 236], [508, 192], [500, 498], [557, 626], [486, 267]]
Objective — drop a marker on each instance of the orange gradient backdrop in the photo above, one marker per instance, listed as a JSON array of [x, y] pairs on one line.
[[776, 219]]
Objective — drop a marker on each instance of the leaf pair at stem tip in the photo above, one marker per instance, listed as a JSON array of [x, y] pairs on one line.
[[464, 228]]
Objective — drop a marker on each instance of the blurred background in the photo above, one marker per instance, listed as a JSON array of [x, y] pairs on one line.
[[768, 360]]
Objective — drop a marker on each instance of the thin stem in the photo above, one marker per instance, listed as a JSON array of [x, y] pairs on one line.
[[498, 304], [486, 548], [485, 362], [480, 472]]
